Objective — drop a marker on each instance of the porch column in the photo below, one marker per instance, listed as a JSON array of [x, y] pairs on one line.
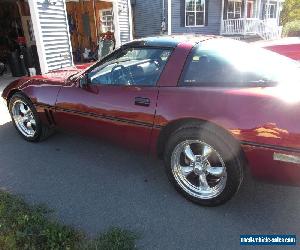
[[258, 8], [245, 14], [222, 18], [278, 12]]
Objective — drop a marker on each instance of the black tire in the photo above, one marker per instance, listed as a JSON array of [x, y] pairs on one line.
[[228, 149], [41, 131]]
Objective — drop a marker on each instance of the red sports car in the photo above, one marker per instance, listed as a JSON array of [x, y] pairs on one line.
[[210, 107], [289, 47]]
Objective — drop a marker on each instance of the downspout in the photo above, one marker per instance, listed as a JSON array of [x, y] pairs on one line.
[[169, 17], [130, 20], [164, 9], [163, 17]]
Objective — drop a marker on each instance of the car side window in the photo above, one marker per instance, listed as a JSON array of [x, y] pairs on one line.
[[208, 68], [213, 64], [132, 66]]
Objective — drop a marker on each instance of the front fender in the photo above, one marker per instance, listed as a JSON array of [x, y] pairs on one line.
[[13, 87], [39, 91]]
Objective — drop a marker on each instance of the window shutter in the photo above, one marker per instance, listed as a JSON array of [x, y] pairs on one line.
[[225, 9], [182, 13], [206, 12]]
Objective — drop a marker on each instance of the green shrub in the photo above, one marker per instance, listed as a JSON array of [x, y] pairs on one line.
[[29, 227], [291, 28]]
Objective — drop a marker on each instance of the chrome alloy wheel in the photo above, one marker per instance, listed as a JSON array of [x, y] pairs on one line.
[[24, 118], [198, 169]]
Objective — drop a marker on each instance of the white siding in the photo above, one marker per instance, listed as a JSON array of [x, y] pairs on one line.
[[124, 24], [52, 25]]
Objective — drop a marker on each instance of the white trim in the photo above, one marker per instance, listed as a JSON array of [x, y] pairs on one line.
[[195, 12], [258, 8], [116, 23], [38, 35], [245, 14], [169, 17], [222, 17], [268, 10], [101, 16], [278, 6], [234, 9], [130, 20], [68, 31]]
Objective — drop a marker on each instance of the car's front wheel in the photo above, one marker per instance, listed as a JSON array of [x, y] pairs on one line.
[[26, 119], [203, 165]]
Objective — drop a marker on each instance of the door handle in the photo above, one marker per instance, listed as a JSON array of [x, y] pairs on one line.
[[142, 101]]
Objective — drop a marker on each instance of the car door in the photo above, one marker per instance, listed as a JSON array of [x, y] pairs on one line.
[[119, 101]]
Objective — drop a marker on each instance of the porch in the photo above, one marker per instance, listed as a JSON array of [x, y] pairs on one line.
[[252, 17]]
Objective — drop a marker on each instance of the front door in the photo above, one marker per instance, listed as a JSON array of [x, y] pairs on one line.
[[249, 9], [119, 102]]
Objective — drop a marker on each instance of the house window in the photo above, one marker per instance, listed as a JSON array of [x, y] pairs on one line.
[[270, 10], [107, 20], [194, 13], [234, 9]]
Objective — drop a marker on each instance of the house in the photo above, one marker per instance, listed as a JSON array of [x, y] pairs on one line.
[[58, 28], [238, 18]]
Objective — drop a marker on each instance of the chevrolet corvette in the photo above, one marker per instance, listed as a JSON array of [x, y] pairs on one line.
[[210, 107]]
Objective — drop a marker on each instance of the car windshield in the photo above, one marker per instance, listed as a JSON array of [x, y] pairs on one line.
[[257, 65]]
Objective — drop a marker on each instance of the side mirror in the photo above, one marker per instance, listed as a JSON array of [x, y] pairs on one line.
[[83, 81]]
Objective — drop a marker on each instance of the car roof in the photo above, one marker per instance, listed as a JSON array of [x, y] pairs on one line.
[[169, 40]]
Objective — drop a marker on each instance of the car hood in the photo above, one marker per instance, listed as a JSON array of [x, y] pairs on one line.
[[65, 73], [54, 78]]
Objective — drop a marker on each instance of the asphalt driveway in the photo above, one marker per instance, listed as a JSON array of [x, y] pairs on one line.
[[94, 185]]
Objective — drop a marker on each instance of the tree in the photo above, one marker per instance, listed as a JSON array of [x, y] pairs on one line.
[[290, 11]]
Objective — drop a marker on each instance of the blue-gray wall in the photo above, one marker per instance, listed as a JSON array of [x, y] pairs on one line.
[[148, 17], [214, 19]]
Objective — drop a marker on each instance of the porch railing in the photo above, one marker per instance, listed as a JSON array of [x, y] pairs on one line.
[[251, 26]]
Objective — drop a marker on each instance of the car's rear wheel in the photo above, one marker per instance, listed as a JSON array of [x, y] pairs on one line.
[[204, 165], [26, 119]]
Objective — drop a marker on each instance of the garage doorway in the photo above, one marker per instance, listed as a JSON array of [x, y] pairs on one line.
[[92, 28], [18, 52]]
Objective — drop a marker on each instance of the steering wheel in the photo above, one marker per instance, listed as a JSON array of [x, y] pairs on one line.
[[125, 75]]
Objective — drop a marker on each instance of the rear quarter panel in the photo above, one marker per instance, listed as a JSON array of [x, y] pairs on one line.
[[262, 116]]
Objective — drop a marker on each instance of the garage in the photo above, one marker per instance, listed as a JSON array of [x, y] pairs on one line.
[[62, 33], [18, 51]]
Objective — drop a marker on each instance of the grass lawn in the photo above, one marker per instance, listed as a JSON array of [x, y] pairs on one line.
[[30, 227]]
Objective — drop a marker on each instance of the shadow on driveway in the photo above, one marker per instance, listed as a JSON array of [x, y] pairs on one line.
[[93, 186]]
